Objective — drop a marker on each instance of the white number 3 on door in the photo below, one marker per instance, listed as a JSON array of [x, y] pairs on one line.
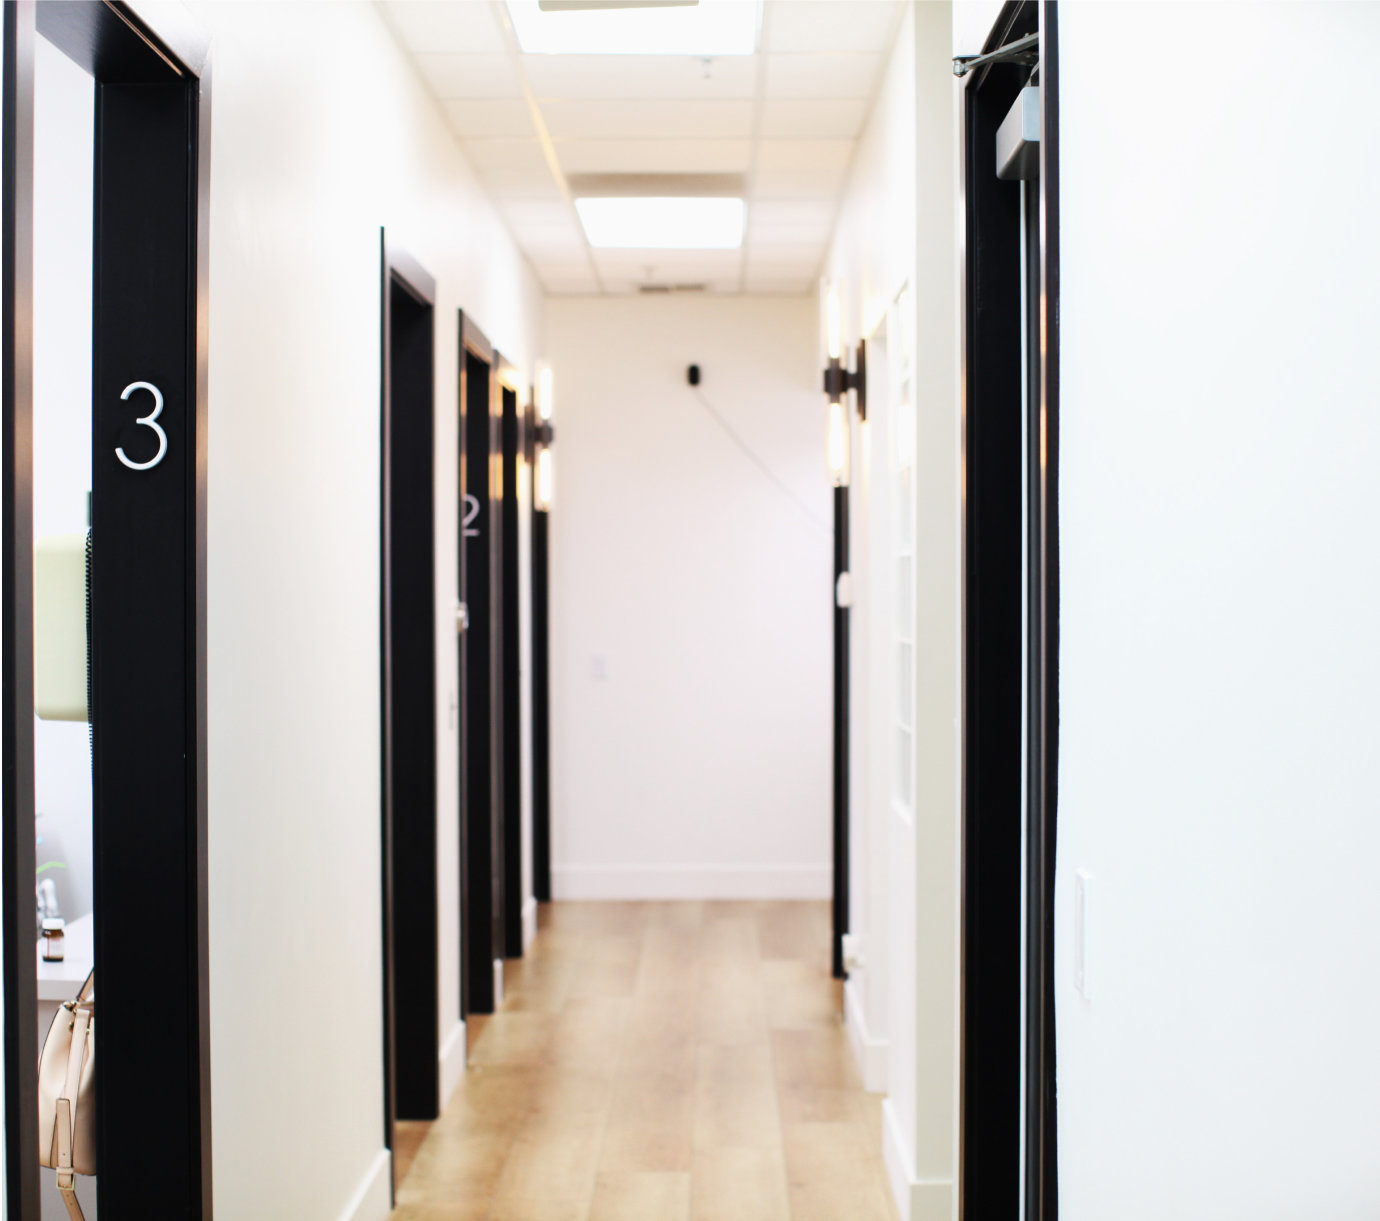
[[148, 421]]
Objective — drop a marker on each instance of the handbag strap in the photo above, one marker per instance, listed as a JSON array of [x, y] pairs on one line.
[[85, 994], [67, 1106]]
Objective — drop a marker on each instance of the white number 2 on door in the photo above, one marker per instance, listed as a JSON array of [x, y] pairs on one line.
[[471, 514]]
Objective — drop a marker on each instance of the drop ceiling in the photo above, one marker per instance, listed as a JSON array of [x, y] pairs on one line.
[[781, 124]]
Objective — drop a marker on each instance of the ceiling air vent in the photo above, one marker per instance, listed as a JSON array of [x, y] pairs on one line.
[[672, 288]]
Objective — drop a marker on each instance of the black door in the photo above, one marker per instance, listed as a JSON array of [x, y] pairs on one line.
[[147, 606], [408, 585], [512, 439], [481, 691]]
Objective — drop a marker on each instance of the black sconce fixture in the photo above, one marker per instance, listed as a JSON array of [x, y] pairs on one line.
[[839, 380]]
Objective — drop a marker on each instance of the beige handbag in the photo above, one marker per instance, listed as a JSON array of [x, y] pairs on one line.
[[67, 1095]]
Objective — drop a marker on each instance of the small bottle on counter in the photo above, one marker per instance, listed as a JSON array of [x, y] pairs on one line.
[[54, 939]]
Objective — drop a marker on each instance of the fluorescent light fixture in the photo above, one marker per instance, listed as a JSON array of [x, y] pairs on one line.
[[706, 29], [662, 223]]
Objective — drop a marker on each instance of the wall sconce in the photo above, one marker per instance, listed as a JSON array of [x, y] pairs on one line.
[[838, 381], [546, 434]]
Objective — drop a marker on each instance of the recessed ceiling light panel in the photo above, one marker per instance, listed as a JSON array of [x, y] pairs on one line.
[[706, 29], [662, 223]]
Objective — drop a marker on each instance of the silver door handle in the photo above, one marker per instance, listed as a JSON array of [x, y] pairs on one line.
[[462, 617]]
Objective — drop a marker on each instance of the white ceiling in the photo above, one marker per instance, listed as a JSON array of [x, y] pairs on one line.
[[785, 120]]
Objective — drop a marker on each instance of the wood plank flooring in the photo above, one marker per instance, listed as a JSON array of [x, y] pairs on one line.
[[660, 1062]]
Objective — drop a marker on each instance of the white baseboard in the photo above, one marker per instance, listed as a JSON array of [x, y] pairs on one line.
[[870, 1052], [372, 1200], [691, 881], [529, 922], [452, 1061], [915, 1200]]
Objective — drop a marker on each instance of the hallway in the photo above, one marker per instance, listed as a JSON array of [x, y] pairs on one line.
[[660, 1062]]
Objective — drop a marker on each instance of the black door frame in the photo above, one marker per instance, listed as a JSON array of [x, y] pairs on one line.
[[841, 722], [407, 621], [1042, 754], [481, 712], [540, 434], [512, 437], [996, 932], [149, 833]]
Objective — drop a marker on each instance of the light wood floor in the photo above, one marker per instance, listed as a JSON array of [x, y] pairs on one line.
[[660, 1062]]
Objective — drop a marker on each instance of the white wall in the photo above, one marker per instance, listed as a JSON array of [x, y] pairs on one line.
[[871, 262], [897, 229], [1219, 656], [321, 133], [690, 601], [972, 24]]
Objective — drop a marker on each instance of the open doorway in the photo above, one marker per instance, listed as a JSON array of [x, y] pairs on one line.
[[408, 721], [121, 535]]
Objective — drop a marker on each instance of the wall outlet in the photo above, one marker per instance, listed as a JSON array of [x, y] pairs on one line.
[[1081, 881]]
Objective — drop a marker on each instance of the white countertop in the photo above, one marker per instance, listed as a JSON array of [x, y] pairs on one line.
[[60, 981]]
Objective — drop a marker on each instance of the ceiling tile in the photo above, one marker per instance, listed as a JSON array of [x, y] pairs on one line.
[[563, 269], [511, 184], [488, 117], [553, 246], [830, 25], [822, 76], [640, 76], [817, 182], [789, 261], [554, 252], [654, 156], [668, 266], [547, 232], [779, 286], [649, 118], [446, 26], [537, 214], [506, 155], [792, 213], [821, 118], [583, 284], [804, 154], [470, 76], [786, 238]]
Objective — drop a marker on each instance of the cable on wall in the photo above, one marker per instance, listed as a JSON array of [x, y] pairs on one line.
[[758, 462]]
